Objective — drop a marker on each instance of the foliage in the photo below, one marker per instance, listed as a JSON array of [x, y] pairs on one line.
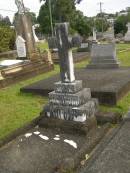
[[7, 38], [101, 24], [62, 11], [81, 24], [4, 21], [120, 23]]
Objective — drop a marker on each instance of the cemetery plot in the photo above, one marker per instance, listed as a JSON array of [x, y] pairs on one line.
[[21, 70], [108, 85], [48, 150]]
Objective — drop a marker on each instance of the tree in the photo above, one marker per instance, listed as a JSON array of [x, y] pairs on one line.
[[101, 24], [5, 21], [81, 24], [121, 22], [62, 11], [7, 38]]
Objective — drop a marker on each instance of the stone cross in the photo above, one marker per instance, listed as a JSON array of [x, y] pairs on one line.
[[64, 43]]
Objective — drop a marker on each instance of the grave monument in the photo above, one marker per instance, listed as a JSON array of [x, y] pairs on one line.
[[109, 34], [69, 101], [127, 35], [21, 47], [103, 56], [24, 29]]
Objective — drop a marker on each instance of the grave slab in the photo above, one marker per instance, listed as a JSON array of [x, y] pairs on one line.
[[38, 152], [44, 150], [108, 85]]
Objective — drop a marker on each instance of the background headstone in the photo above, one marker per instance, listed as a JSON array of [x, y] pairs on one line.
[[127, 35], [23, 25], [21, 47], [103, 56]]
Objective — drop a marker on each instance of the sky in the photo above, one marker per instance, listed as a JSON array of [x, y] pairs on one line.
[[88, 7]]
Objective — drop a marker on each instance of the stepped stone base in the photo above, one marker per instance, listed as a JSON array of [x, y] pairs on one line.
[[103, 56], [70, 102], [102, 66]]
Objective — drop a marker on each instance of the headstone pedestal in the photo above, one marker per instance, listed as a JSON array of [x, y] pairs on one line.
[[69, 101], [103, 56]]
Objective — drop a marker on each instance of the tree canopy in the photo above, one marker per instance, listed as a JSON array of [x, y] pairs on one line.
[[121, 22], [62, 11]]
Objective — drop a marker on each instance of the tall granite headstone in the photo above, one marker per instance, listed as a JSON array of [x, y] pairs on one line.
[[24, 29], [127, 35], [69, 101], [103, 56]]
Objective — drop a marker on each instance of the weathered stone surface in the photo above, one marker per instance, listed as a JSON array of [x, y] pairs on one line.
[[103, 56], [32, 154], [114, 157], [79, 114], [69, 101], [29, 155], [72, 87], [74, 99]]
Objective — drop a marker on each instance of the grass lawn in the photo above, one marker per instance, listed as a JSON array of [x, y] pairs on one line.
[[121, 47], [19, 108]]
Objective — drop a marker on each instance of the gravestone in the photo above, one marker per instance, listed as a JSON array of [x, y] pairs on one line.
[[24, 29], [127, 35], [94, 35], [103, 56], [69, 101], [109, 34], [21, 47]]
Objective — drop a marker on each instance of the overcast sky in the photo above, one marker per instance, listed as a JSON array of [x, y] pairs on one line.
[[89, 7]]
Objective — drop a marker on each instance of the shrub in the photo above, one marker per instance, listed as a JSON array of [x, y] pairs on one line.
[[7, 38]]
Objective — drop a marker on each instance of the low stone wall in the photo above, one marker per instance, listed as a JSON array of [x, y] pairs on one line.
[[9, 55], [22, 72], [78, 57]]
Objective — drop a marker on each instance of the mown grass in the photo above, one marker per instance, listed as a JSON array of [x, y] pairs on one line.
[[17, 108], [122, 46]]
